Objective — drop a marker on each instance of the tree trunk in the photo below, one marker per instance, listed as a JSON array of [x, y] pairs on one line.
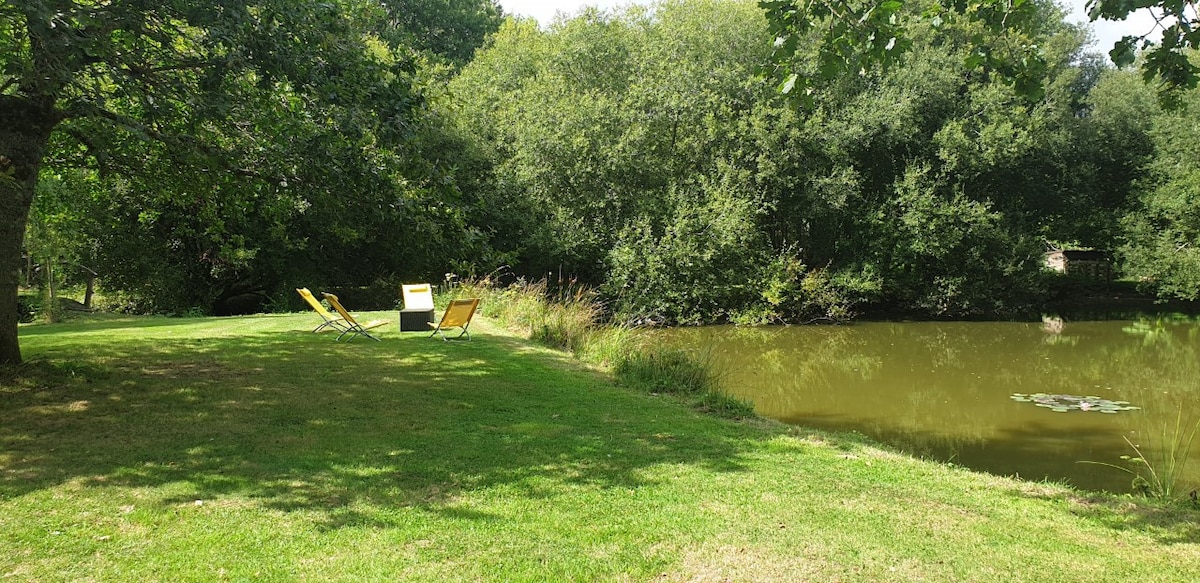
[[25, 127], [91, 289]]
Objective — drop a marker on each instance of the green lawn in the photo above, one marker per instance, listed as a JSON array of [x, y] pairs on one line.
[[154, 449]]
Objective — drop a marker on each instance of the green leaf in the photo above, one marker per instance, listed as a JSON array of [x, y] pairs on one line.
[[789, 84], [1123, 53]]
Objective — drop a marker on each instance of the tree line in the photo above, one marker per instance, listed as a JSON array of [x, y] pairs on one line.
[[191, 155]]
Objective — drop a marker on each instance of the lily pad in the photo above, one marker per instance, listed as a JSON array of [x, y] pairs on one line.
[[1061, 403]]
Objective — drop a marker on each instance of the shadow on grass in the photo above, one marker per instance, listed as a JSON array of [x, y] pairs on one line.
[[1168, 525], [302, 423], [101, 322]]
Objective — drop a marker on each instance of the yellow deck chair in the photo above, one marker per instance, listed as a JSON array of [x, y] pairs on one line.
[[330, 321], [353, 328], [458, 315]]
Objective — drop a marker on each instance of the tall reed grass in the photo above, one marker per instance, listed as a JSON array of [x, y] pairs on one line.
[[572, 317], [1159, 472]]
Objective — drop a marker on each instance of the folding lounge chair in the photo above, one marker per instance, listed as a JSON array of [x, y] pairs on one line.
[[417, 314], [353, 328], [330, 321], [458, 315]]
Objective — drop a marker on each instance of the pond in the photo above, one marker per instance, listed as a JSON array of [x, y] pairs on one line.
[[945, 390]]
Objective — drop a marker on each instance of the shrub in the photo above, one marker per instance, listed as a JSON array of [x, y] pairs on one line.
[[792, 292], [28, 308], [666, 370]]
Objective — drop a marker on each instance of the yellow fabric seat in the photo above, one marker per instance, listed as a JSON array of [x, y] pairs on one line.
[[353, 328], [458, 315], [330, 321]]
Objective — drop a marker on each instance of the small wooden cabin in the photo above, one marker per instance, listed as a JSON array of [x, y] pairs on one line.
[[1094, 265]]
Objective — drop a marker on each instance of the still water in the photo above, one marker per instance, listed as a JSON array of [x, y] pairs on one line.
[[944, 390]]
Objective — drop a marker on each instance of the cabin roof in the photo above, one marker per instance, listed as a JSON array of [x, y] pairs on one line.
[[1083, 255]]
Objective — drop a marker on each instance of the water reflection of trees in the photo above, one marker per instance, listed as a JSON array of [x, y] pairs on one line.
[[771, 365], [942, 388], [1165, 369]]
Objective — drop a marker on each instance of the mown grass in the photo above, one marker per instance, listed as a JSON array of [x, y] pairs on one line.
[[154, 449]]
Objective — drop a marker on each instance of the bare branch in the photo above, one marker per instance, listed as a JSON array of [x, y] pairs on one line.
[[136, 71]]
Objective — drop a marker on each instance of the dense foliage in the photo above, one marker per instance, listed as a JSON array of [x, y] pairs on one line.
[[213, 160], [672, 174], [1162, 248], [269, 144], [847, 36]]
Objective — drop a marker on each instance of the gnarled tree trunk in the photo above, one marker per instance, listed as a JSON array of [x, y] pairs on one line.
[[25, 127]]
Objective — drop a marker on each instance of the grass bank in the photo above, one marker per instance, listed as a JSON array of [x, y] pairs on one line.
[[209, 449], [573, 319]]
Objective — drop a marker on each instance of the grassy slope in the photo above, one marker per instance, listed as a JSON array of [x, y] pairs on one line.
[[249, 449]]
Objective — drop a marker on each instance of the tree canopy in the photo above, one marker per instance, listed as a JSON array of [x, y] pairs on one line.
[[210, 129], [693, 192], [853, 35]]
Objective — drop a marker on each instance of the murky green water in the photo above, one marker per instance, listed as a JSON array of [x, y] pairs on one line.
[[943, 390]]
